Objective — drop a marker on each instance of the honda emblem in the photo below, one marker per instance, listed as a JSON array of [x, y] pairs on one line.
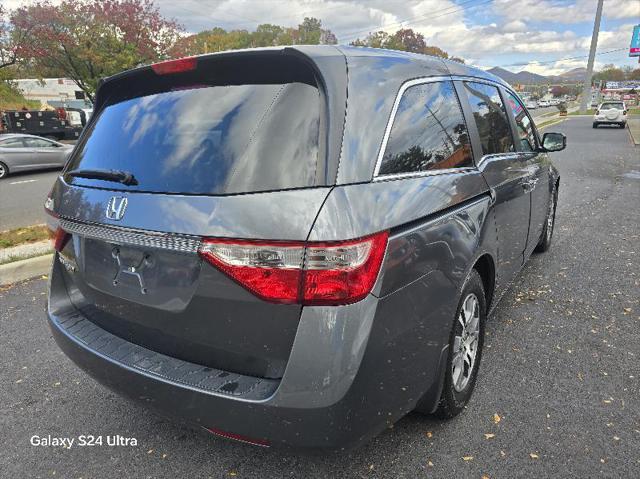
[[116, 208]]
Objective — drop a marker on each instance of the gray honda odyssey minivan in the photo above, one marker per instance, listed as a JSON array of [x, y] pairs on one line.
[[296, 246]]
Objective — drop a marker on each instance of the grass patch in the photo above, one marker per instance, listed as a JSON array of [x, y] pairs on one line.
[[590, 111], [31, 234], [12, 99]]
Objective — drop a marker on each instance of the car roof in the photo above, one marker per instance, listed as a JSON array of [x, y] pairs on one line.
[[415, 64], [4, 136]]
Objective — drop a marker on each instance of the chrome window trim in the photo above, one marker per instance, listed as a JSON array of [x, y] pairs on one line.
[[387, 131], [128, 236]]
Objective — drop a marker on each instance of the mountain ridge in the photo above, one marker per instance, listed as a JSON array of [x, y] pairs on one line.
[[525, 77]]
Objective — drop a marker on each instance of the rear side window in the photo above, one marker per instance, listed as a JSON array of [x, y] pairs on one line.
[[208, 140], [12, 143], [490, 117], [526, 133], [428, 132]]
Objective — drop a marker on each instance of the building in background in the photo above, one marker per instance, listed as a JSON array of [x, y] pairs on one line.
[[52, 89]]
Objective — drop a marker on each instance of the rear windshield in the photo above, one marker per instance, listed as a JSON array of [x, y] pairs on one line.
[[208, 140], [612, 106]]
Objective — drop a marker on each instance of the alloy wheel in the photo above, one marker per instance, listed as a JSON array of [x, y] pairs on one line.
[[465, 344], [550, 218]]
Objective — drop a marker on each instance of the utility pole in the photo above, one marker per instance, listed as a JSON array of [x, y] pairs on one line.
[[586, 92]]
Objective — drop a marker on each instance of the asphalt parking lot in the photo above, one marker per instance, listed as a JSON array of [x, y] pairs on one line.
[[558, 392]]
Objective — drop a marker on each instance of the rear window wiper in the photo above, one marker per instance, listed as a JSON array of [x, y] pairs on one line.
[[118, 176]]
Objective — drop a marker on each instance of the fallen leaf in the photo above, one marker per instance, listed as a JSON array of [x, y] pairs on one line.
[[149, 451], [496, 418], [533, 455], [429, 434], [484, 476], [467, 458], [489, 435], [429, 463]]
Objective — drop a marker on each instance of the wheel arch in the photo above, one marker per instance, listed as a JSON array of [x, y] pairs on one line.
[[486, 268]]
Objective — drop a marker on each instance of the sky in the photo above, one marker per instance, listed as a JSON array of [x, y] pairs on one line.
[[541, 36]]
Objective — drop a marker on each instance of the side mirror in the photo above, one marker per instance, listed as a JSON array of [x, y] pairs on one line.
[[554, 142]]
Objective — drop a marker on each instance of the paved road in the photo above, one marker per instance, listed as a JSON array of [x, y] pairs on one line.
[[538, 112], [560, 369], [22, 198]]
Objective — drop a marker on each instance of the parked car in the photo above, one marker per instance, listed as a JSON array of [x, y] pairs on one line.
[[302, 249], [531, 105], [610, 113], [28, 152], [543, 103]]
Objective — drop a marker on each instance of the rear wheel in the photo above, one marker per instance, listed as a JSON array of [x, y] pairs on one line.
[[4, 171], [547, 232], [465, 348]]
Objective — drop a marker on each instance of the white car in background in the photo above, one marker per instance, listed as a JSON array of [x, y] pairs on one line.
[[610, 113], [543, 103], [531, 105]]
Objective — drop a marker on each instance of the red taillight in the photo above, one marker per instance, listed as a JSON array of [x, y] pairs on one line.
[[175, 66], [238, 437], [308, 273], [59, 237]]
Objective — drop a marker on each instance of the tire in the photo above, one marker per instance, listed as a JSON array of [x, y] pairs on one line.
[[595, 125], [623, 125], [547, 232], [460, 380], [4, 171]]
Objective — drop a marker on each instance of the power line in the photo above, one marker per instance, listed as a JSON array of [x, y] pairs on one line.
[[521, 64], [413, 20]]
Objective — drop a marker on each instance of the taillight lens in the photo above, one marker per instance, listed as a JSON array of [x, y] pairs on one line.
[[59, 237], [308, 273]]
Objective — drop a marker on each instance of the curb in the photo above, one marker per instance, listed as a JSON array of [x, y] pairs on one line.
[[633, 125], [25, 269]]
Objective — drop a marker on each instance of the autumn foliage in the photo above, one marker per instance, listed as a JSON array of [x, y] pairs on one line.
[[90, 39]]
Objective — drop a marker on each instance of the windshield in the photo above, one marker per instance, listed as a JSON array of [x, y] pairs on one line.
[[213, 140]]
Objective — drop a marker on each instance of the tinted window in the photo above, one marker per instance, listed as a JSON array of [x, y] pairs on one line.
[[428, 132], [213, 140], [491, 119], [612, 106], [526, 134], [12, 143]]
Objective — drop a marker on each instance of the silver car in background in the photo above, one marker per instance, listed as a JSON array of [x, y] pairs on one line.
[[19, 152]]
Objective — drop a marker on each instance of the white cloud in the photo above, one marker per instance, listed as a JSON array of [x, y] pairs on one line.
[[554, 12]]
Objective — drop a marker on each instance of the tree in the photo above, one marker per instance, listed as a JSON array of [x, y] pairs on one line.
[[89, 39], [310, 31], [609, 73], [404, 39]]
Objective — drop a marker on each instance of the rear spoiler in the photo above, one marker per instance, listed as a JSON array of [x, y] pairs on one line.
[[328, 70]]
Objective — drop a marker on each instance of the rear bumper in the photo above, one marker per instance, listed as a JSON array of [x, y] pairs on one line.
[[353, 372]]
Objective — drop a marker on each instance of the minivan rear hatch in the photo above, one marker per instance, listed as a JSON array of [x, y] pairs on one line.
[[221, 146]]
